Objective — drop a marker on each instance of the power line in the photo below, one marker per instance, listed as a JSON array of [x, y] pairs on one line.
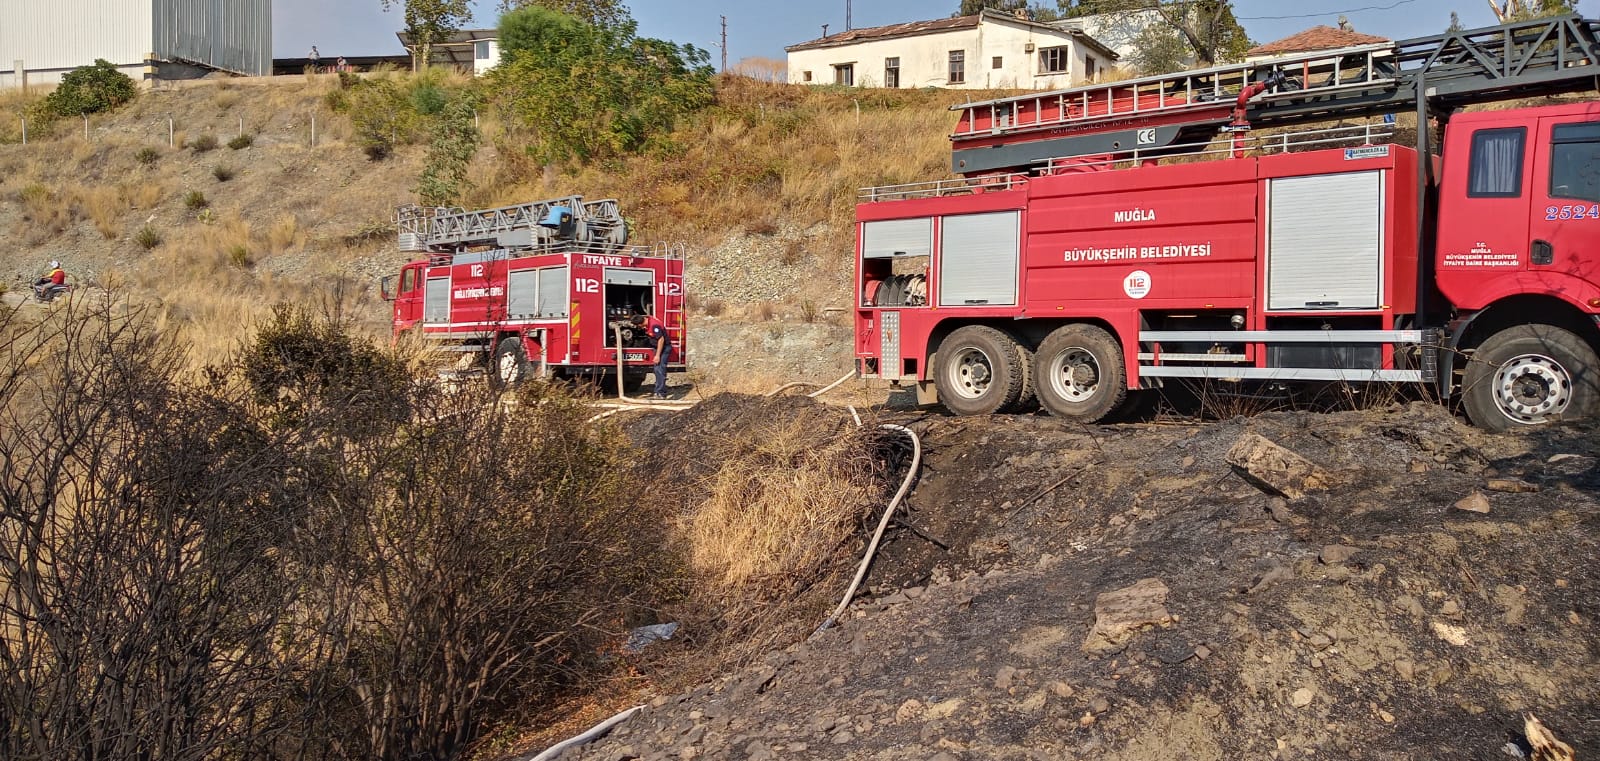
[[1388, 7]]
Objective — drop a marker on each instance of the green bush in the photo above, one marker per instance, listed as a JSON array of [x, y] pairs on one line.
[[239, 255], [204, 143], [147, 237], [147, 155], [223, 172], [241, 142], [195, 200], [91, 90]]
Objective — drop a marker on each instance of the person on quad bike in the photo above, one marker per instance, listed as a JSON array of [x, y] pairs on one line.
[[52, 285]]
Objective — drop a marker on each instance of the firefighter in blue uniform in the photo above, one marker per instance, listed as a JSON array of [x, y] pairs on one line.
[[657, 330]]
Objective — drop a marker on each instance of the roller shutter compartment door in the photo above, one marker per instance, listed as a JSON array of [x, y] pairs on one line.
[[553, 292], [436, 300], [978, 256], [897, 237], [522, 294], [1325, 242]]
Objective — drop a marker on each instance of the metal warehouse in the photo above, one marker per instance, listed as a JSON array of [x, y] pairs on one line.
[[146, 39]]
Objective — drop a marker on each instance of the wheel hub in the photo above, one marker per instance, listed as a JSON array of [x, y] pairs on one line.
[[972, 374], [1532, 387], [1076, 376]]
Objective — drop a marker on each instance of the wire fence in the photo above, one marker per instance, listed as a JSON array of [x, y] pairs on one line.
[[307, 128]]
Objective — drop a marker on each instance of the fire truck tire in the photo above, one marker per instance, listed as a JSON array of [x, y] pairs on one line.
[[1078, 374], [509, 365], [980, 371], [1531, 374]]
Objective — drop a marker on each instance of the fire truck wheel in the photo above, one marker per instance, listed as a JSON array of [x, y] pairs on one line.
[[509, 365], [1078, 374], [979, 370], [1531, 374]]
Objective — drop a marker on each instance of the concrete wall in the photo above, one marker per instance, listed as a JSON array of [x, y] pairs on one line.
[[925, 59]]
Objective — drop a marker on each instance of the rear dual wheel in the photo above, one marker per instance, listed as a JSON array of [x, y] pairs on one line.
[[1080, 374], [980, 371], [509, 364]]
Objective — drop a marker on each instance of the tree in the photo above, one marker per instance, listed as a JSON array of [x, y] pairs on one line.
[[974, 7], [608, 13], [90, 90], [1207, 29], [581, 91], [1522, 10], [430, 22]]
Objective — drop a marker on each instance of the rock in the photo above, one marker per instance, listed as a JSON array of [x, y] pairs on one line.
[[1121, 614], [1473, 503], [1302, 697], [1002, 679], [1406, 669], [1569, 465], [1100, 705], [1455, 635], [1279, 507], [909, 711], [843, 737], [1274, 468], [944, 710], [1545, 745], [1511, 486], [1061, 689], [1274, 575], [1450, 608], [1335, 554], [1388, 718]]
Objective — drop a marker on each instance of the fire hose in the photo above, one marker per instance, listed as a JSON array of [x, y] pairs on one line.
[[861, 570]]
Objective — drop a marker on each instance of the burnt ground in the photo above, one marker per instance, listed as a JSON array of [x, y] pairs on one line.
[[1369, 619]]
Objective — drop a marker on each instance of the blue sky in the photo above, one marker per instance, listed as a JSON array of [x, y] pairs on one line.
[[763, 27]]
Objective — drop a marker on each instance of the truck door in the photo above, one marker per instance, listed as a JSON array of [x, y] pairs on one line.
[[1483, 213], [1565, 219], [408, 299]]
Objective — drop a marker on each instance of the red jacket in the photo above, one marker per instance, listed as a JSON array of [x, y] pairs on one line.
[[58, 276]]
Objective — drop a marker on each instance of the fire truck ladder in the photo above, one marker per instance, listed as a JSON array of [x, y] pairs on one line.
[[597, 226], [1180, 113]]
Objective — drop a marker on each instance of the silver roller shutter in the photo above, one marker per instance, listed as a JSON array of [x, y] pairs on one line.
[[897, 237], [553, 292], [616, 276], [522, 294], [1325, 242], [978, 256], [436, 300]]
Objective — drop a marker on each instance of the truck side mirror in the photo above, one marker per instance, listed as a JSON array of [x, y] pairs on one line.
[[386, 287]]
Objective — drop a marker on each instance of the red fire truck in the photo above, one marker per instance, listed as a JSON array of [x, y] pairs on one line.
[[1106, 238], [537, 289]]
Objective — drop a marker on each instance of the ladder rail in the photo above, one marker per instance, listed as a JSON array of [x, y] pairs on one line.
[[425, 228]]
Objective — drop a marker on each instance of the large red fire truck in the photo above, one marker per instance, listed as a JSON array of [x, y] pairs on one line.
[[1090, 250], [537, 289]]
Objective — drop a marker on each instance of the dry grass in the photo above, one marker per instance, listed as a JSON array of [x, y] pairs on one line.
[[285, 235], [103, 206], [782, 505]]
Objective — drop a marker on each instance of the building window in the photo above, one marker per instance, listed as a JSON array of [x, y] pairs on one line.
[[1575, 162], [1496, 168], [999, 62], [480, 50], [891, 72], [1053, 60], [1088, 68], [805, 76], [958, 67], [844, 74]]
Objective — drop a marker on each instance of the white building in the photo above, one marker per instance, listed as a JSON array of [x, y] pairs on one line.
[[474, 50], [985, 51], [1119, 31], [41, 40]]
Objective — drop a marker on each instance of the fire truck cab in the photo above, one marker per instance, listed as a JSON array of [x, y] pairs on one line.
[[1178, 243]]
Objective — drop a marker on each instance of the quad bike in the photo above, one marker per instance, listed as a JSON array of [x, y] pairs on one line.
[[45, 292]]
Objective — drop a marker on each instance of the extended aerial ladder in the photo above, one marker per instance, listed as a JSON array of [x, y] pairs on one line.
[[571, 222], [1180, 113]]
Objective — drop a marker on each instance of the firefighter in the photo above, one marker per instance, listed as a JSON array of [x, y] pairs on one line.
[[657, 330], [49, 286]]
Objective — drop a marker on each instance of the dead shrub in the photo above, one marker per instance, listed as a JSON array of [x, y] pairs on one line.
[[204, 143], [794, 253], [284, 235], [766, 311], [809, 311], [104, 207], [713, 308]]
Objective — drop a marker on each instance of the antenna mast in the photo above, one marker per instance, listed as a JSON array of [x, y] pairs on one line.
[[847, 26]]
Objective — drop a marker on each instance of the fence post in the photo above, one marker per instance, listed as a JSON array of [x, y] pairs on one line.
[[86, 127], [241, 126], [313, 130], [172, 138], [24, 130]]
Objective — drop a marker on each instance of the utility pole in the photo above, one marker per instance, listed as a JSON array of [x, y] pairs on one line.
[[724, 44], [847, 26]]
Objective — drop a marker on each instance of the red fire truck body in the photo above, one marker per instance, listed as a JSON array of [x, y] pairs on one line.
[[1082, 281], [535, 301]]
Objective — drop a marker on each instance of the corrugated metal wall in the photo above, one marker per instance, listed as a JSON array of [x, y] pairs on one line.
[[232, 35], [52, 37]]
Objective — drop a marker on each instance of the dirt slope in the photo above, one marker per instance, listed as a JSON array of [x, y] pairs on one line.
[[1367, 619]]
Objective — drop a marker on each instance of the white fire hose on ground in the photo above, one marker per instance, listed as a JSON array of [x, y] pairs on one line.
[[861, 570]]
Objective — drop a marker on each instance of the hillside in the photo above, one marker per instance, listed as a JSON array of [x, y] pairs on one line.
[[1133, 592], [759, 189]]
